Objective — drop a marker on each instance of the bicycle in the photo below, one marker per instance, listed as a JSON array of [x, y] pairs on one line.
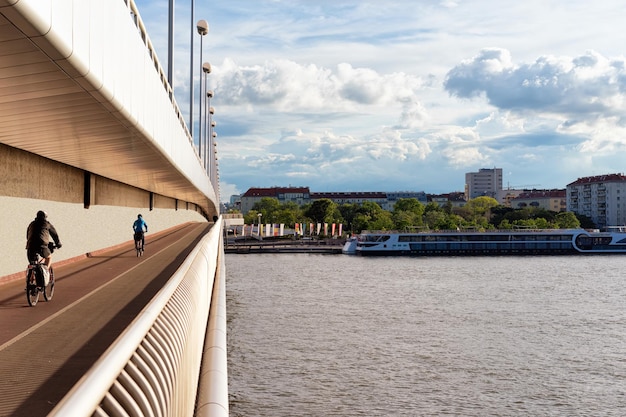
[[139, 243], [39, 281]]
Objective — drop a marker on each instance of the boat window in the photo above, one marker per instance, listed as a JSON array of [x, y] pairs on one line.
[[583, 242], [376, 238]]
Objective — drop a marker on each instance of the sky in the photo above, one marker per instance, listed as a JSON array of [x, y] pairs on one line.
[[405, 95]]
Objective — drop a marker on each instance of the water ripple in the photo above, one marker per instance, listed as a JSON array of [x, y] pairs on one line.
[[313, 335]]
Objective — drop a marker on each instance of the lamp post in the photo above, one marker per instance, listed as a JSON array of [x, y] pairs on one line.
[[212, 136], [206, 69], [207, 131], [203, 29], [213, 174], [170, 44], [259, 229], [193, 9]]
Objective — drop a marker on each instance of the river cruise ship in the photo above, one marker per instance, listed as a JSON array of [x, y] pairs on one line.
[[504, 242]]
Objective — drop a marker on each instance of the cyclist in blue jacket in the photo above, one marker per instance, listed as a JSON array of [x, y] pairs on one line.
[[138, 227]]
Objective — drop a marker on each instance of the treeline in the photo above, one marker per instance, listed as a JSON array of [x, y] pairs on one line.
[[481, 213]]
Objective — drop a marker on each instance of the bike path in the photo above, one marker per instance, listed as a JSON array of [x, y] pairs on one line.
[[45, 349]]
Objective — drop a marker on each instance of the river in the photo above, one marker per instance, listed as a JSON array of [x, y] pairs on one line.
[[337, 335]]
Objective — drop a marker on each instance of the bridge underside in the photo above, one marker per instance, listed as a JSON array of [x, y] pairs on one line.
[[48, 111], [26, 175]]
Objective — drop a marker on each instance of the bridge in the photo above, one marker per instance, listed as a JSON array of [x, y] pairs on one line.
[[90, 127]]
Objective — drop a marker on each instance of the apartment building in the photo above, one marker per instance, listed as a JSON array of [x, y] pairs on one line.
[[486, 182], [602, 198], [455, 199], [553, 200], [386, 200], [298, 195], [379, 198], [302, 195]]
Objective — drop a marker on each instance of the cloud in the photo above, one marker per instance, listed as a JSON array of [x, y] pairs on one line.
[[589, 84], [319, 93], [577, 101], [287, 85], [413, 115]]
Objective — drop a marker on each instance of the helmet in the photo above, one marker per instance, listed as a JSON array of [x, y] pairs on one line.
[[41, 215]]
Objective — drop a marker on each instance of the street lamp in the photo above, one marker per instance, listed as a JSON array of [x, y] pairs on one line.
[[259, 229], [207, 131], [203, 29], [193, 9], [212, 136], [213, 175], [170, 44], [206, 69]]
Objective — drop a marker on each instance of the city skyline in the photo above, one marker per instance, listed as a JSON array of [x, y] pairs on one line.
[[351, 96]]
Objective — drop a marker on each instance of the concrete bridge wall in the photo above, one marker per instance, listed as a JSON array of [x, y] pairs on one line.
[[76, 91], [29, 183]]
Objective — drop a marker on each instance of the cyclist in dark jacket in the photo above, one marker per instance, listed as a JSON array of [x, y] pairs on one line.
[[39, 235]]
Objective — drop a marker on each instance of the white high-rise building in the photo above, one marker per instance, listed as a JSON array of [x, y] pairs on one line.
[[485, 182], [602, 198]]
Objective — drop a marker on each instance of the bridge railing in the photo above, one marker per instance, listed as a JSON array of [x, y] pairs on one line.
[[172, 356], [157, 65]]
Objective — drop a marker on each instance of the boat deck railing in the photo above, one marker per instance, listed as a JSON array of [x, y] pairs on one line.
[[468, 230]]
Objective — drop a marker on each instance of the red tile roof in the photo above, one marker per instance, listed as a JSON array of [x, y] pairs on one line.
[[599, 179], [275, 191], [543, 194], [352, 195]]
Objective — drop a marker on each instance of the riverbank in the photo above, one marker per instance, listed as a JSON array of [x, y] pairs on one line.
[[323, 246]]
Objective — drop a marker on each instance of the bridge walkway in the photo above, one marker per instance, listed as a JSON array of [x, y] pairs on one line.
[[45, 350]]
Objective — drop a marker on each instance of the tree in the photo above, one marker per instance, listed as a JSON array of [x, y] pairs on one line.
[[481, 213], [289, 213], [360, 222], [432, 207], [434, 218], [252, 217], [321, 211], [542, 223], [379, 219], [585, 221], [499, 214], [407, 212], [268, 207], [405, 219], [481, 206], [566, 220], [382, 221], [505, 225], [370, 216], [409, 204], [348, 212]]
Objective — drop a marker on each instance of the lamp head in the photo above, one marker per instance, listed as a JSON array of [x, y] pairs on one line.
[[203, 27]]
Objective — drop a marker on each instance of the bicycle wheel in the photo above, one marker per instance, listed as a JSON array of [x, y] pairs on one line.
[[32, 293], [48, 291]]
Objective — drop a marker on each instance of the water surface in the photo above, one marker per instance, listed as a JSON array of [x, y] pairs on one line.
[[320, 335]]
